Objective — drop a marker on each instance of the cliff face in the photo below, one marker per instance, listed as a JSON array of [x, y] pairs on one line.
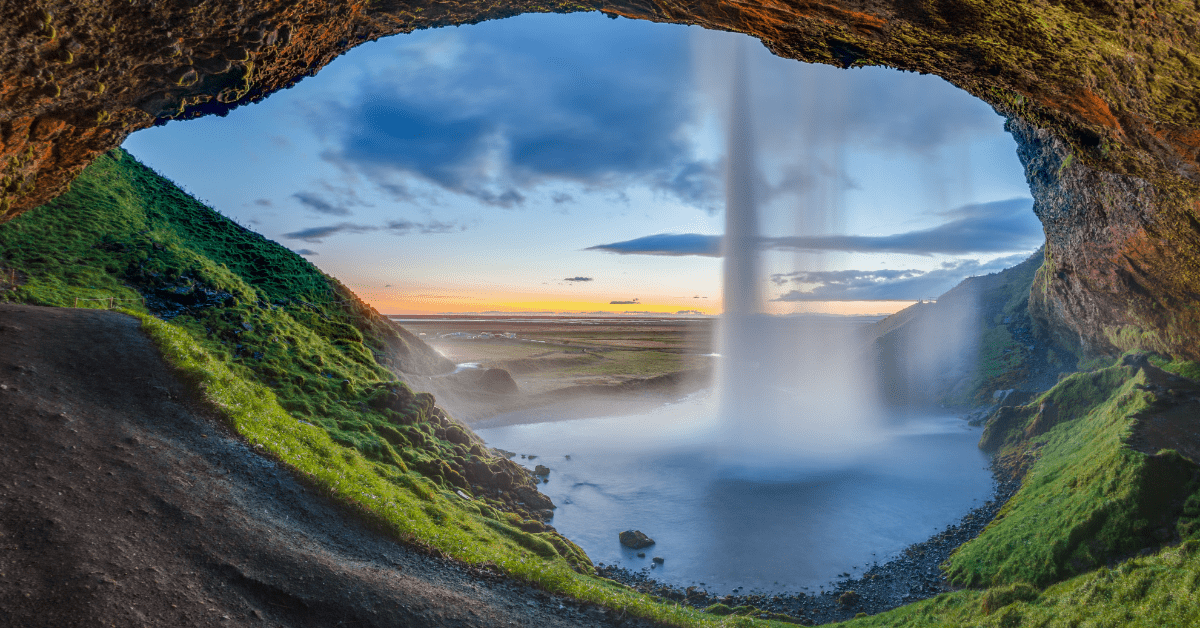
[[1105, 98], [976, 340]]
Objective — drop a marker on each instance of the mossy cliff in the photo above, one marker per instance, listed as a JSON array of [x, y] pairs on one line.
[[1103, 96], [125, 237]]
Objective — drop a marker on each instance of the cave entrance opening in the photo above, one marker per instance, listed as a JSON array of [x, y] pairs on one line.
[[574, 165]]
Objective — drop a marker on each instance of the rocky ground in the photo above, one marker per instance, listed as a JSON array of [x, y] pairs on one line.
[[911, 576], [122, 503]]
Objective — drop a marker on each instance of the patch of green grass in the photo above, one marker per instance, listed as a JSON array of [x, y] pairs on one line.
[[1088, 498], [1183, 368], [125, 233], [1146, 592]]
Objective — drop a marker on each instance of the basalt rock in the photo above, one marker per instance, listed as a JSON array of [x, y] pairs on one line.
[[635, 539], [1104, 99]]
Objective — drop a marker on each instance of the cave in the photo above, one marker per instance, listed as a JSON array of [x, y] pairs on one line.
[[1102, 97]]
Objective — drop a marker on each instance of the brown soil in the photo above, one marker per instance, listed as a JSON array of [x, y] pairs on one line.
[[123, 504]]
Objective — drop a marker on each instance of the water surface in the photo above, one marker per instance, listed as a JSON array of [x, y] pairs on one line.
[[734, 521]]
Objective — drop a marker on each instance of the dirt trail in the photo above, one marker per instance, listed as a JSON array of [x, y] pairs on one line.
[[123, 504]]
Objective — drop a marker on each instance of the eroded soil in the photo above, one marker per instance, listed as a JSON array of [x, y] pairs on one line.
[[123, 504]]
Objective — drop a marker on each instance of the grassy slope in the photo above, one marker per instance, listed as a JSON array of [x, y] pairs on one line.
[[124, 232], [1089, 498], [1055, 554], [322, 404]]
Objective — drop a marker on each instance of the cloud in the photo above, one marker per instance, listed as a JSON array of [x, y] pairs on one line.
[[693, 312], [320, 205], [633, 302], [404, 227], [494, 131], [308, 252], [674, 244], [395, 227], [577, 279], [886, 285], [263, 202], [995, 227], [316, 235], [561, 197]]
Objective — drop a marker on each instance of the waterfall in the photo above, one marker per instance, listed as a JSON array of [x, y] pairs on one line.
[[791, 390]]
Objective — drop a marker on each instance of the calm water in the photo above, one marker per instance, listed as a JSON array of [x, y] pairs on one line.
[[775, 527]]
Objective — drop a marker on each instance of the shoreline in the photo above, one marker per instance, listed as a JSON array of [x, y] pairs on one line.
[[912, 576]]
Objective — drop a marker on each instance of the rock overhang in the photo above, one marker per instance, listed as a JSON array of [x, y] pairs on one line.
[[1103, 99]]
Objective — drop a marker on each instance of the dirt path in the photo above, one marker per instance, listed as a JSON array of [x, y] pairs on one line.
[[121, 504]]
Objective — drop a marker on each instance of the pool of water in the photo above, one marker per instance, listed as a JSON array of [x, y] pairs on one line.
[[728, 522]]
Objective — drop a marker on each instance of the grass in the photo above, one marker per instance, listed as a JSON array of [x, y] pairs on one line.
[[644, 363], [1003, 362], [125, 233], [1089, 498], [1149, 592]]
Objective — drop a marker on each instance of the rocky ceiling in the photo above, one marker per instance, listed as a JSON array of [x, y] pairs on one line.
[[1103, 97]]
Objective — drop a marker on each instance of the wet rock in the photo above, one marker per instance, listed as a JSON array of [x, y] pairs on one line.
[[635, 539], [533, 499], [541, 470]]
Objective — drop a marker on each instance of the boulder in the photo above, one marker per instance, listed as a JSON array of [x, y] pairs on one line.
[[635, 539], [533, 499], [541, 470]]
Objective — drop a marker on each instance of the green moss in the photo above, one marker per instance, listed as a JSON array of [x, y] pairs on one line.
[[1147, 592], [125, 236], [1088, 498]]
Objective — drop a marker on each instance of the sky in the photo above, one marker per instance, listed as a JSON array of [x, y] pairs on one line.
[[574, 163]]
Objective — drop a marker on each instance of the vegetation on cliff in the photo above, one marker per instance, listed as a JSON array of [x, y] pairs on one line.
[[1104, 528], [271, 323]]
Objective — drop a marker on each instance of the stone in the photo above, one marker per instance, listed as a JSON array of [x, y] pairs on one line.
[[635, 539], [541, 470], [533, 499], [658, 559]]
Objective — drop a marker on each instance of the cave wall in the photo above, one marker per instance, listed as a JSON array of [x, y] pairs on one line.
[[1103, 96]]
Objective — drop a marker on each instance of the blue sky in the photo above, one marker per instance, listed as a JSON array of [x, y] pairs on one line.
[[564, 162]]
